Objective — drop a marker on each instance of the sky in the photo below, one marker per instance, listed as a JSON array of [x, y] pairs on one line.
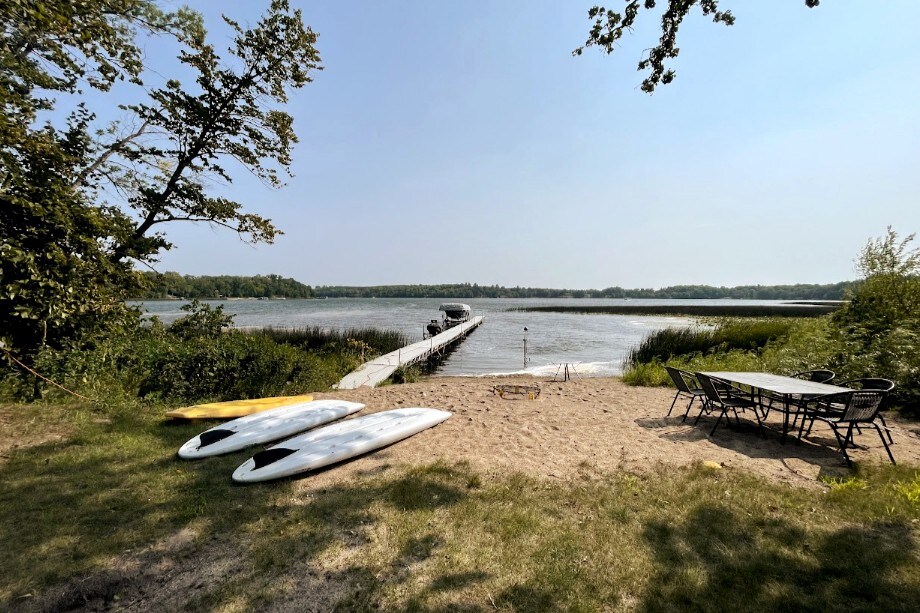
[[462, 142]]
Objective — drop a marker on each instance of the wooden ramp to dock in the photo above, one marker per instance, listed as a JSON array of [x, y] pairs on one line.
[[372, 373]]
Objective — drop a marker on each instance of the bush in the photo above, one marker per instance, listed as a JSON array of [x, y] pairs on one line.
[[233, 366]]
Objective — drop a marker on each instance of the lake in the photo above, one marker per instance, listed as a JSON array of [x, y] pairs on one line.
[[595, 344]]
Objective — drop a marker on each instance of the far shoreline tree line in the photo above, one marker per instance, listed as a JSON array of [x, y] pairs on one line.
[[172, 285]]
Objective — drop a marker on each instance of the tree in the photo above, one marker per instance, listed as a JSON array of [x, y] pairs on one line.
[[80, 204], [881, 323], [609, 27]]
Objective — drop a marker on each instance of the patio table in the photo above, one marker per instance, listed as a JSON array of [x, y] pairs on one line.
[[786, 388]]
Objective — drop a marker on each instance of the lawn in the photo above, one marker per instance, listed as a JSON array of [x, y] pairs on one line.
[[98, 512]]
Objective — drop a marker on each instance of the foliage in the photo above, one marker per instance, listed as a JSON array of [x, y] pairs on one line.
[[56, 279], [198, 358], [172, 284], [881, 323], [875, 334], [232, 366], [65, 246], [202, 321], [609, 27], [228, 115], [807, 344], [365, 343], [833, 291], [727, 335]]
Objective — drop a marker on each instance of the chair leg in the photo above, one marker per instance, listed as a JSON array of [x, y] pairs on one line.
[[687, 412], [842, 442], [887, 448], [703, 407], [887, 429], [737, 419], [676, 396], [722, 414], [807, 432]]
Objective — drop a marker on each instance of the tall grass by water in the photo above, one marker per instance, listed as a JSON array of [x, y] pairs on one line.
[[315, 337], [670, 342], [783, 346]]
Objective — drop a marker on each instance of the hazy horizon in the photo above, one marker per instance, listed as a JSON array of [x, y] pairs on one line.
[[465, 142]]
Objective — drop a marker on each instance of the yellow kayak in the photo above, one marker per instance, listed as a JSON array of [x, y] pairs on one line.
[[235, 408]]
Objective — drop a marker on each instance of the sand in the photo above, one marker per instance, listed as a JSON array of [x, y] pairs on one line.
[[599, 424]]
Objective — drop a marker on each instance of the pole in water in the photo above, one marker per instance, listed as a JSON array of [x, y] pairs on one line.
[[525, 346]]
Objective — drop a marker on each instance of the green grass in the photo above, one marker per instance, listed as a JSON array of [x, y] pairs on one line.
[[715, 310], [431, 537], [314, 338]]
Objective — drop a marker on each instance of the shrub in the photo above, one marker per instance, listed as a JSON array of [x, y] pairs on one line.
[[235, 366]]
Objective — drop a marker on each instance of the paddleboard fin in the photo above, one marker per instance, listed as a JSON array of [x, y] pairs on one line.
[[212, 436], [264, 458]]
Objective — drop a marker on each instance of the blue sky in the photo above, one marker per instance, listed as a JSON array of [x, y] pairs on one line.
[[462, 142]]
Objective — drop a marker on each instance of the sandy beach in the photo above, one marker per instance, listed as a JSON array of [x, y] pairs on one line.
[[598, 424]]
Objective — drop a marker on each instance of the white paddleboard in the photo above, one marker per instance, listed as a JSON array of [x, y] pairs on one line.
[[265, 427], [337, 442]]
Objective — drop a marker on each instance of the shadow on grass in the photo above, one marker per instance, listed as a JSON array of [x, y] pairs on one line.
[[716, 559], [746, 439], [111, 511]]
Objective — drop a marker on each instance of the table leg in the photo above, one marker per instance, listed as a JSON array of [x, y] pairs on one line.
[[785, 418]]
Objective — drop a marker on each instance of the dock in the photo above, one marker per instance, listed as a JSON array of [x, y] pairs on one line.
[[373, 373]]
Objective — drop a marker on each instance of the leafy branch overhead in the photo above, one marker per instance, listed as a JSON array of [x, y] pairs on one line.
[[609, 27], [230, 115], [82, 204]]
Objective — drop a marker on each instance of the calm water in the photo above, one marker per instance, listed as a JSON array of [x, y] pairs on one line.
[[595, 343]]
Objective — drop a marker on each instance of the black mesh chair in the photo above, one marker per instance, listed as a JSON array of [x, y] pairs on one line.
[[687, 387], [873, 383], [724, 395], [846, 409], [817, 376]]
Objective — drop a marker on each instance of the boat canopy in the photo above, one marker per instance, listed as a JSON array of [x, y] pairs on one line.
[[454, 309]]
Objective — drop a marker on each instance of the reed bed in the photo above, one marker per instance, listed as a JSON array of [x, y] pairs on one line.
[[717, 310], [315, 337], [670, 342]]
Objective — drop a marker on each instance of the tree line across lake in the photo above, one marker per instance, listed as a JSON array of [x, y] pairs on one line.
[[175, 285]]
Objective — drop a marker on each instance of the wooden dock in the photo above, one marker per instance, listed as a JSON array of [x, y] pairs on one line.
[[373, 373]]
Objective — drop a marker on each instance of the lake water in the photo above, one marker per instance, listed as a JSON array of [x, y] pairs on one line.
[[595, 344]]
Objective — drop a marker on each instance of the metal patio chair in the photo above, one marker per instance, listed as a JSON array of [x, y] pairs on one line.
[[873, 383], [724, 395], [846, 409], [817, 376], [687, 387]]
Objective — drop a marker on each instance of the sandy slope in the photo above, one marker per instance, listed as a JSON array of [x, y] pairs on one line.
[[601, 422]]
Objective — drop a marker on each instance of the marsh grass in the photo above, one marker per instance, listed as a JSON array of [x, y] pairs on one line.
[[314, 338], [437, 536], [725, 336], [778, 345]]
